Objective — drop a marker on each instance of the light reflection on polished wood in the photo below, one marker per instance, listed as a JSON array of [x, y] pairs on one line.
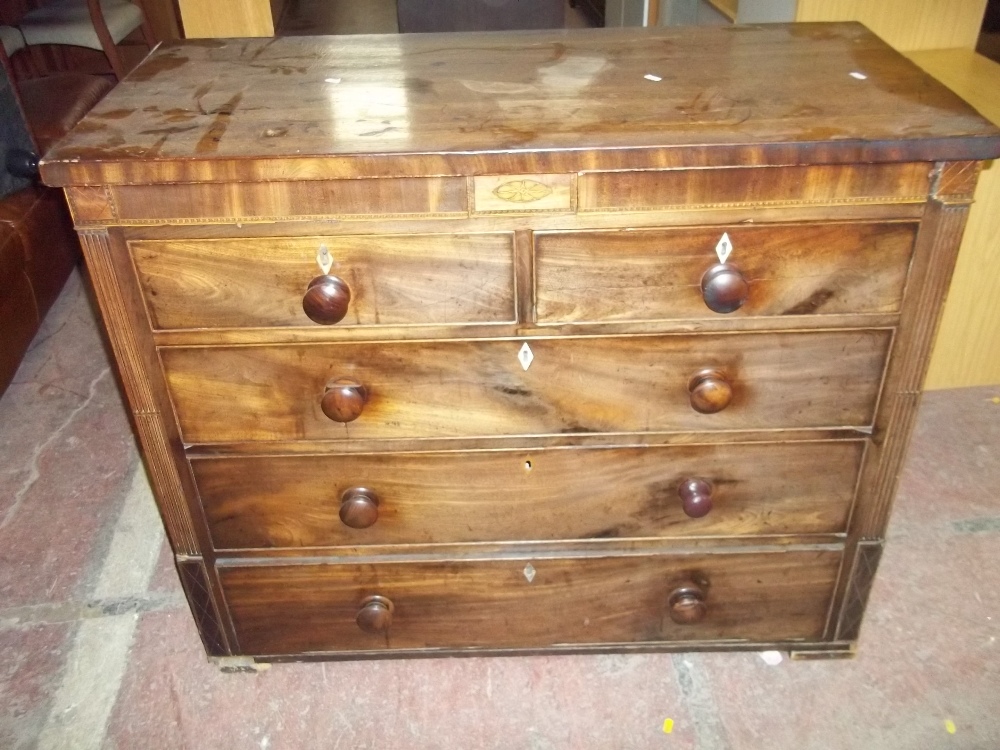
[[516, 103]]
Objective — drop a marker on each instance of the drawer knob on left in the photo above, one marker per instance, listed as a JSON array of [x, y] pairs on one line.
[[687, 604], [358, 508], [710, 391], [375, 615], [344, 400], [326, 299], [724, 288]]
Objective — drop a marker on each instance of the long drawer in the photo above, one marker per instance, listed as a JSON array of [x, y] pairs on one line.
[[571, 385], [527, 603], [656, 274], [389, 280], [516, 495]]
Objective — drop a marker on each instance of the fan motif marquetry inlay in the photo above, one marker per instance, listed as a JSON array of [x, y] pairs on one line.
[[522, 191]]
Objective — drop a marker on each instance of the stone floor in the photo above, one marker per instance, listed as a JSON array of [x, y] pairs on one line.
[[97, 649]]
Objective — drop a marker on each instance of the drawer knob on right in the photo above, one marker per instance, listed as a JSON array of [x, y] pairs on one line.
[[344, 400], [375, 615], [358, 508], [326, 300], [710, 391], [696, 497], [724, 288], [687, 604]]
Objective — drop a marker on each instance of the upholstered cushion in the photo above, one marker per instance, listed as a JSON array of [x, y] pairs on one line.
[[11, 39], [68, 22], [54, 104]]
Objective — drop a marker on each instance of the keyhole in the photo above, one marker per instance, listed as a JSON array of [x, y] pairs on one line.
[[527, 465]]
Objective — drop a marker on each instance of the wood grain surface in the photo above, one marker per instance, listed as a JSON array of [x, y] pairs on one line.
[[573, 385], [307, 108], [412, 196], [226, 18], [905, 24], [306, 608], [518, 495], [967, 350], [532, 418], [646, 190], [393, 279], [813, 269]]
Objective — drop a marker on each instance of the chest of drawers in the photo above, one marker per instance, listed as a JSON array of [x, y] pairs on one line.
[[605, 340]]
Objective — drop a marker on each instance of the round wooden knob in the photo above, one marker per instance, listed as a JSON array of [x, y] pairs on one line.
[[344, 400], [696, 497], [326, 300], [687, 604], [710, 391], [358, 508], [375, 615], [723, 288]]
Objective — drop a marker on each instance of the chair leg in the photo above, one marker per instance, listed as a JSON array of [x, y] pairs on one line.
[[114, 56], [107, 43], [147, 29], [147, 33]]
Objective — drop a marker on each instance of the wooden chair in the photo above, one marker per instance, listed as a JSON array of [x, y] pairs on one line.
[[51, 104], [95, 24]]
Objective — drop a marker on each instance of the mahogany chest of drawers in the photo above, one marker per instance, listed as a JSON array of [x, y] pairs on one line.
[[562, 341]]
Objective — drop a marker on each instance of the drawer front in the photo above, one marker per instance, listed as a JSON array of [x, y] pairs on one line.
[[529, 603], [657, 274], [275, 200], [817, 184], [444, 389], [392, 280], [512, 495]]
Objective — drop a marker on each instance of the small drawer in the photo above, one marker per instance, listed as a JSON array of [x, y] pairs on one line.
[[513, 495], [373, 280], [585, 384], [269, 201], [531, 602], [814, 269], [720, 187]]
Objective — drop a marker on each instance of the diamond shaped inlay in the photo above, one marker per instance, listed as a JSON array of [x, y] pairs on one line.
[[724, 248], [525, 356], [324, 259]]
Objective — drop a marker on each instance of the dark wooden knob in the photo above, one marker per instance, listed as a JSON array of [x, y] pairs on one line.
[[375, 615], [344, 400], [710, 391], [696, 497], [723, 288], [358, 508], [687, 604], [326, 300]]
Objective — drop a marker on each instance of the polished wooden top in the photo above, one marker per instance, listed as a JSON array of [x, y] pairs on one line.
[[321, 107]]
